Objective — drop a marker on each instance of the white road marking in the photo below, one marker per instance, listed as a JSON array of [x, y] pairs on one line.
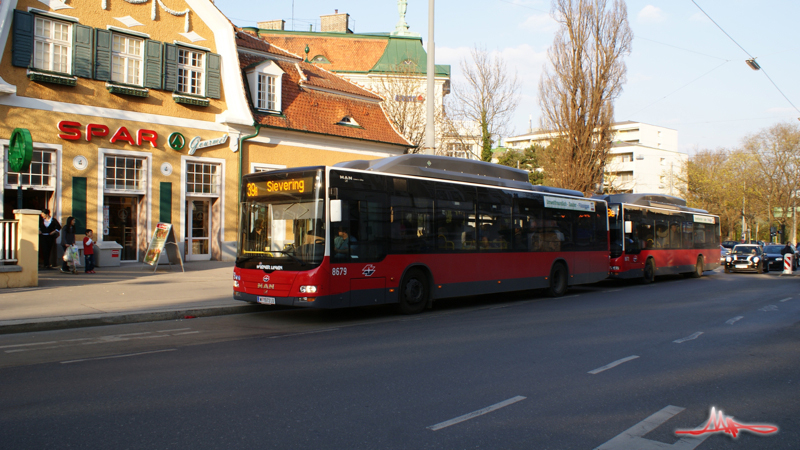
[[477, 413], [688, 338], [185, 332], [612, 365], [177, 329], [769, 308], [28, 345], [734, 320], [785, 300], [631, 439], [301, 334], [118, 356]]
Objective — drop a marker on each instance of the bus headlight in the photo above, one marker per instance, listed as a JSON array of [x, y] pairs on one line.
[[728, 258], [756, 259], [308, 289], [236, 283]]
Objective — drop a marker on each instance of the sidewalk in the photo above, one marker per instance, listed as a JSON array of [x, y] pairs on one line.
[[125, 294]]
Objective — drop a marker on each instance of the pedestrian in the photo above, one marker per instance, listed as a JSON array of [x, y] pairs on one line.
[[67, 239], [88, 252], [48, 233]]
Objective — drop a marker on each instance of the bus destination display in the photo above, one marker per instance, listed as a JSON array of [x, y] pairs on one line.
[[275, 187]]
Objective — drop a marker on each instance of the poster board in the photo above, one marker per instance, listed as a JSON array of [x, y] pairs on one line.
[[163, 241]]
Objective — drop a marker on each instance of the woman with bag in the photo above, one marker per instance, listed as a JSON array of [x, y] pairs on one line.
[[48, 233], [67, 239]]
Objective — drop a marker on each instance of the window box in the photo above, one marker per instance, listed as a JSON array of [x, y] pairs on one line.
[[44, 77], [127, 90], [189, 100]]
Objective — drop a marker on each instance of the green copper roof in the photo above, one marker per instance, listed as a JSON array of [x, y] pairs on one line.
[[401, 53]]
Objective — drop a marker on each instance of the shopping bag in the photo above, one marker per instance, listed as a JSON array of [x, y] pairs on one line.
[[74, 256]]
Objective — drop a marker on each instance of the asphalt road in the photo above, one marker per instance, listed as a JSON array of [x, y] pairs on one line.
[[614, 366]]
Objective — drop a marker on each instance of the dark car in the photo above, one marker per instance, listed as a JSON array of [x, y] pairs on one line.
[[746, 258], [773, 253], [730, 244]]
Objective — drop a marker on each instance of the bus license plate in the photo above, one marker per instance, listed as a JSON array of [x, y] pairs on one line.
[[266, 300], [741, 266]]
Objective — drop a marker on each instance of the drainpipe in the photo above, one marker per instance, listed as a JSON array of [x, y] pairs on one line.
[[241, 159]]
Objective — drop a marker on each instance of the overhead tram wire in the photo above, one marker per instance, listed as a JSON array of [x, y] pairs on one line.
[[752, 58]]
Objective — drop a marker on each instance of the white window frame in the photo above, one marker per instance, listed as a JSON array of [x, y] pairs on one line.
[[140, 183], [55, 188], [187, 71], [51, 186], [258, 90], [216, 178], [102, 191], [40, 41], [120, 57], [184, 195]]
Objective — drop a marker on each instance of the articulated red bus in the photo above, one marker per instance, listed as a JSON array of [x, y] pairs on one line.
[[655, 235], [409, 230]]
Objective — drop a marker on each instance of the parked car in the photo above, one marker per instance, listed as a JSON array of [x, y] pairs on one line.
[[723, 252], [746, 257], [730, 244], [772, 253]]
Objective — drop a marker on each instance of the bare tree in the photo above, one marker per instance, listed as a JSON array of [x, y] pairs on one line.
[[404, 98], [488, 96], [578, 91]]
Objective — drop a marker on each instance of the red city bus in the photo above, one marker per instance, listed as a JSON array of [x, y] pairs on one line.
[[653, 234], [409, 230]]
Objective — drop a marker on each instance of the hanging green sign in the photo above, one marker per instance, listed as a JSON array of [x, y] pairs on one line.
[[20, 150]]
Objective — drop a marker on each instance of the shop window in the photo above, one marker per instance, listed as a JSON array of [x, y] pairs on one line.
[[191, 71], [124, 173], [127, 54], [202, 178], [40, 174]]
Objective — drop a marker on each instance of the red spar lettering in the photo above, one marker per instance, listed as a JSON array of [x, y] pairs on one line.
[[94, 129], [146, 136], [71, 130], [122, 134]]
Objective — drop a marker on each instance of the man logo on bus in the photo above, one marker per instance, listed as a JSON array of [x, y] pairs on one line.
[[266, 278], [368, 270]]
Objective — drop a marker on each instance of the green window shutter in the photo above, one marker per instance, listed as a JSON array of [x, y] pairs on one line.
[[83, 37], [152, 64], [102, 61], [165, 203], [213, 85], [22, 49], [170, 67], [79, 204]]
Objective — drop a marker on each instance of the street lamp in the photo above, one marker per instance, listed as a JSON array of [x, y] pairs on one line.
[[753, 64]]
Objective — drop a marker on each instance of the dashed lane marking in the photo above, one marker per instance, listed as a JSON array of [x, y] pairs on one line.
[[477, 413], [688, 338], [734, 320], [612, 365], [631, 439]]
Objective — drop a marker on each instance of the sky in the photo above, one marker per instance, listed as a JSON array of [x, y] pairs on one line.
[[683, 73]]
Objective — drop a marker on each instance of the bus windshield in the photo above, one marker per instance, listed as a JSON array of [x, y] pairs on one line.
[[282, 223]]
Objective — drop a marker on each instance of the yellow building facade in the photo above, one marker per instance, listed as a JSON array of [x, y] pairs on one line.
[[126, 107]]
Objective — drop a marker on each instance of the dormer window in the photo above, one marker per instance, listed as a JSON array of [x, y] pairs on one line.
[[320, 59], [349, 121], [265, 86]]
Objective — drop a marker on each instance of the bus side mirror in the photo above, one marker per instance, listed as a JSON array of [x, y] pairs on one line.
[[336, 210], [628, 227]]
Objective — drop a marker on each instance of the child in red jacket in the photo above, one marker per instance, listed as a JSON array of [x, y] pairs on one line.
[[88, 252]]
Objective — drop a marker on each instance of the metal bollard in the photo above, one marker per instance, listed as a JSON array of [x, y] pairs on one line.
[[787, 264]]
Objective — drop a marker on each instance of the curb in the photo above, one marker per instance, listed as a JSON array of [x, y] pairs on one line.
[[94, 320]]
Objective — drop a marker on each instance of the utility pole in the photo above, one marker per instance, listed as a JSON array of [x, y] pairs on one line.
[[430, 127]]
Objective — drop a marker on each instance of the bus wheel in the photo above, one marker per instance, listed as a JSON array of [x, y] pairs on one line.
[[698, 268], [558, 281], [649, 274], [413, 292]]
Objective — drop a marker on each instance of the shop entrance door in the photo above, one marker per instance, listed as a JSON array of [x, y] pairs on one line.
[[123, 221], [198, 229]]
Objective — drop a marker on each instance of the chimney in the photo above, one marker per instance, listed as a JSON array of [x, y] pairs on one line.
[[335, 23], [272, 25]]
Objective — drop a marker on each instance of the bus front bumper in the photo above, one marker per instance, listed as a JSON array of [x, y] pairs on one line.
[[323, 301]]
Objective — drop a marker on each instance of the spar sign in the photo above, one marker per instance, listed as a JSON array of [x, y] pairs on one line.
[[75, 131]]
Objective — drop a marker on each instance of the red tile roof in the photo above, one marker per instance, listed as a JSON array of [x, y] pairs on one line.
[[306, 108], [247, 40], [346, 54]]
